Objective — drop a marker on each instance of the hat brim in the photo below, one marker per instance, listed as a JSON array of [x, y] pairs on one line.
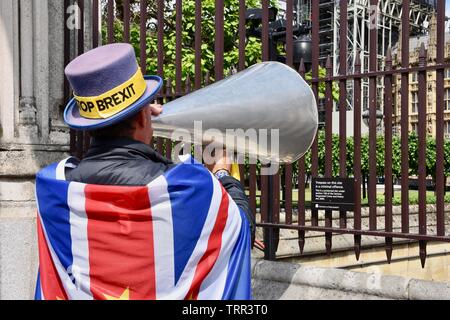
[[74, 120]]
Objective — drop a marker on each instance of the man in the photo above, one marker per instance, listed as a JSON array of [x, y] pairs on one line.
[[175, 218], [120, 155]]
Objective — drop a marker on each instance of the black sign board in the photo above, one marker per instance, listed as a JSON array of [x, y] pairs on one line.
[[333, 193]]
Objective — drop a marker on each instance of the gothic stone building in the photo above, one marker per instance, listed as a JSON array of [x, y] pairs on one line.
[[429, 41]]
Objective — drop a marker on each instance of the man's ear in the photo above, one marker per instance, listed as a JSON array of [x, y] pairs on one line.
[[141, 118]]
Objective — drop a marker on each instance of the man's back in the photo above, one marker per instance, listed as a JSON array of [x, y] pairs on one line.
[[119, 162], [128, 162]]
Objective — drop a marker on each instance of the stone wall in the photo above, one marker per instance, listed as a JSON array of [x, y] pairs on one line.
[[279, 280]]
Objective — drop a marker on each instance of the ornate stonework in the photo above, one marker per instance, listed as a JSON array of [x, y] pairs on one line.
[[430, 42]]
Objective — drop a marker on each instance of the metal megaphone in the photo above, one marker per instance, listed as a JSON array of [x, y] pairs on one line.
[[268, 97]]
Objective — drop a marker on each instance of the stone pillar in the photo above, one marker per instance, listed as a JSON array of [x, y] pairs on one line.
[[9, 56], [27, 102], [48, 63]]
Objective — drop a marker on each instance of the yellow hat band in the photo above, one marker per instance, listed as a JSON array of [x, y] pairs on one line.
[[113, 101]]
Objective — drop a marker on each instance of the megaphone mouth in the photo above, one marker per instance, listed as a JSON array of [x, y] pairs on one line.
[[267, 110]]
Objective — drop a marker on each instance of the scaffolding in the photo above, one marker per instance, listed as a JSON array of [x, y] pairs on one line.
[[360, 18]]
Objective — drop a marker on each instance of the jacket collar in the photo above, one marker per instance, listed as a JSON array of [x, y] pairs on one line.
[[125, 148]]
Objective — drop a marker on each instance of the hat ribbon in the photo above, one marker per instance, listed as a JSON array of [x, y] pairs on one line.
[[113, 101]]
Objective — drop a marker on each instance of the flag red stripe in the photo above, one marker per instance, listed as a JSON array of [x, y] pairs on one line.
[[120, 233], [212, 252], [51, 284]]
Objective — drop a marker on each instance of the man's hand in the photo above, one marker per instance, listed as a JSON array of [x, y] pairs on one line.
[[156, 109], [221, 162]]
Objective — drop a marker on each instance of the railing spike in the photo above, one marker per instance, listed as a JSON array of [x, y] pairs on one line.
[[388, 249], [328, 64], [301, 240], [169, 88], [328, 243], [358, 59], [422, 252], [422, 51], [389, 55], [188, 88], [357, 239], [301, 68], [207, 78]]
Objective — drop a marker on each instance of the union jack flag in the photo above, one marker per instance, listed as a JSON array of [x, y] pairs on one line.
[[179, 237]]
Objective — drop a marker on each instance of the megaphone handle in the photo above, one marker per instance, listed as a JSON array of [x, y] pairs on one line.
[[235, 171]]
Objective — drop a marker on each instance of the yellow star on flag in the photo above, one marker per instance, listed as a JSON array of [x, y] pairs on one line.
[[191, 296], [124, 296]]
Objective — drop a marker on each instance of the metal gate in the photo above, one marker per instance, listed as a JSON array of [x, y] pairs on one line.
[[357, 75]]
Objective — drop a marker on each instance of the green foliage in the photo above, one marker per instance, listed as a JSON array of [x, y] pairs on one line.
[[412, 199], [322, 86], [231, 41], [430, 155], [413, 155]]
